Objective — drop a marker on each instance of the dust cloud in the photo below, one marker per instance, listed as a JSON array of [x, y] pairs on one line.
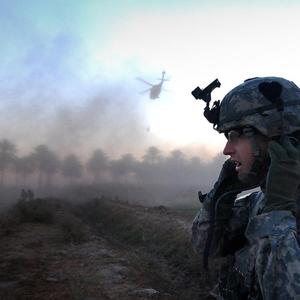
[[135, 166], [72, 114]]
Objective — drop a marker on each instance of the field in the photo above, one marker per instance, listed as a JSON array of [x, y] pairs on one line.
[[98, 249]]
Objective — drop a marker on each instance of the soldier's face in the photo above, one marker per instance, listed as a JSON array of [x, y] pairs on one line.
[[239, 148]]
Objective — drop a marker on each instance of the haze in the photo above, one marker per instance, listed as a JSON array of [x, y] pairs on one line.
[[68, 71]]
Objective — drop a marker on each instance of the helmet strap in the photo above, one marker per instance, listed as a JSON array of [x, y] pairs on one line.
[[249, 133], [254, 177]]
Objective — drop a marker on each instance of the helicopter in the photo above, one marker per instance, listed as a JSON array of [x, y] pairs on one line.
[[155, 89]]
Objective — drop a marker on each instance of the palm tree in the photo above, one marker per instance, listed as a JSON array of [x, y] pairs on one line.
[[72, 167], [125, 167], [152, 155], [175, 167], [25, 166], [47, 163], [98, 163], [7, 157]]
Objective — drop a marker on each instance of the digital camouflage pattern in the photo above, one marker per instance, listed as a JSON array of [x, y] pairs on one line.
[[246, 105], [260, 247], [270, 256]]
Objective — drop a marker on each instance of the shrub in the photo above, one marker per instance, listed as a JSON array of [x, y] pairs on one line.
[[73, 229], [36, 210], [8, 224]]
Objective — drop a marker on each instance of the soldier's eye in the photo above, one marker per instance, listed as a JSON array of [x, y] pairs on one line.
[[234, 134]]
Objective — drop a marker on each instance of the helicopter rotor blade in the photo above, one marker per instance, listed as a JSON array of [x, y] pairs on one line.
[[163, 79], [143, 92], [144, 81]]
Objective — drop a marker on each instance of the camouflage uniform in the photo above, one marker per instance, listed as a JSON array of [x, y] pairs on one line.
[[267, 265], [261, 250]]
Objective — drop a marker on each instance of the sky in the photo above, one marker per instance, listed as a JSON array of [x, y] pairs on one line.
[[69, 69]]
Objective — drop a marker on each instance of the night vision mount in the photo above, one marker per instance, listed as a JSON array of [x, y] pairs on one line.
[[211, 114]]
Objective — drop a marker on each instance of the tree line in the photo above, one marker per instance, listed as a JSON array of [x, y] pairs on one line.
[[154, 167]]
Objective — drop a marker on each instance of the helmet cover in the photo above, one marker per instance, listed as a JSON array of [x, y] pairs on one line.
[[269, 104]]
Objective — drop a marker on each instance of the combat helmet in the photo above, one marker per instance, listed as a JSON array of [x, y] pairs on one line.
[[269, 104]]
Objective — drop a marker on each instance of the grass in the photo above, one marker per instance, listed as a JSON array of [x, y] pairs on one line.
[[47, 211], [163, 248], [73, 229], [158, 246]]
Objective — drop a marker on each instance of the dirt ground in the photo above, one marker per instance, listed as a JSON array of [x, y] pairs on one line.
[[37, 263]]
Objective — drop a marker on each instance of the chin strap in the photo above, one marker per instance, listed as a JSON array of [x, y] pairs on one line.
[[259, 164], [250, 134]]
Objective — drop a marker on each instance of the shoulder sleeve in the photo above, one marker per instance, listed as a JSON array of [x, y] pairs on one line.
[[277, 263], [223, 230], [200, 230]]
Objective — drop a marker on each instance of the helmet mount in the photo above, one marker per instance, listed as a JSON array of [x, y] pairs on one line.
[[211, 114]]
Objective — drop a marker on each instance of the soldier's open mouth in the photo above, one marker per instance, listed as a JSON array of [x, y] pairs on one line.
[[237, 165]]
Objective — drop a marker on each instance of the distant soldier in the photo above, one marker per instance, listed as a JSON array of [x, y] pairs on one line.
[[30, 194], [23, 195]]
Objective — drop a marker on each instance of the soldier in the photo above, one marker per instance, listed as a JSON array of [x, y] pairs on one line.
[[30, 194], [23, 195], [256, 235]]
